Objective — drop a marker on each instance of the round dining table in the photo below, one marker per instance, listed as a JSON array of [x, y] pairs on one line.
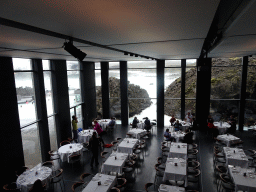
[[66, 151]]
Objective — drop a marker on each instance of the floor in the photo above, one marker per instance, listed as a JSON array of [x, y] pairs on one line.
[[145, 172]]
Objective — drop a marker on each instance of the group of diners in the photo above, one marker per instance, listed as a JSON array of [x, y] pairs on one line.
[[234, 167]]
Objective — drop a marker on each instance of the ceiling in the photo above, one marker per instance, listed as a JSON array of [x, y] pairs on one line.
[[163, 29]]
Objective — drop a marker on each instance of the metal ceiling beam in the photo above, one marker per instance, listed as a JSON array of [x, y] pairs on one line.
[[22, 26], [228, 12]]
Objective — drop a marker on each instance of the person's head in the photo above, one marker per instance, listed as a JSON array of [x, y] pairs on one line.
[[173, 116], [177, 121], [146, 118], [94, 134], [73, 117], [188, 113], [95, 121], [167, 130], [187, 130], [135, 117]]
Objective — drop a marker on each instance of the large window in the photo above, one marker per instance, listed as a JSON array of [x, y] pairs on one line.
[[172, 94], [225, 88], [142, 89], [27, 113], [98, 89]]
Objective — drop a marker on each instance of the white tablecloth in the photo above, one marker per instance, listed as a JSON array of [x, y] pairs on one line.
[[222, 127], [244, 183], [104, 123], [137, 133], [127, 145], [169, 188], [228, 139], [26, 180], [179, 152], [114, 165], [238, 158], [85, 135], [178, 135], [107, 182], [65, 151], [178, 173]]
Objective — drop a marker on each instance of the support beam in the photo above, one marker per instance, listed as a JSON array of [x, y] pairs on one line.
[[243, 94], [12, 156], [124, 93], [61, 99], [203, 90], [160, 93], [41, 110], [105, 89], [88, 93], [183, 81]]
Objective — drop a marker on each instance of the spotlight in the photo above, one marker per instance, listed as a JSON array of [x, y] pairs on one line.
[[136, 55], [77, 53], [131, 54], [125, 53]]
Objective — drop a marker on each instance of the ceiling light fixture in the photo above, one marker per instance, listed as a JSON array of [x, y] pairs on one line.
[[77, 53], [125, 53]]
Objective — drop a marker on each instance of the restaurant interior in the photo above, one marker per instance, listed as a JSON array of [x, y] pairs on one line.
[[106, 59]]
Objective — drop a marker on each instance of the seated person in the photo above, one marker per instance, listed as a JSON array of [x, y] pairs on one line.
[[172, 120], [112, 123], [212, 129], [193, 124], [232, 123], [188, 138], [177, 126], [147, 124], [168, 136], [188, 117], [135, 122]]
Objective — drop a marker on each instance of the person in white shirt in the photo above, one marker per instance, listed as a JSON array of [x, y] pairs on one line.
[[188, 117]]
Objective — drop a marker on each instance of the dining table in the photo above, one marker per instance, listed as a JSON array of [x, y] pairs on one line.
[[222, 127], [100, 183], [26, 180], [236, 157], [137, 133], [127, 145], [176, 169], [114, 163], [68, 150], [178, 150], [85, 135], [178, 135], [104, 123], [228, 139], [169, 188], [243, 178]]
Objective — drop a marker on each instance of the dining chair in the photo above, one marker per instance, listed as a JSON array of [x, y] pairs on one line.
[[121, 183], [114, 189], [193, 155], [84, 177], [11, 187], [151, 187], [193, 180], [64, 143], [219, 159], [77, 187], [225, 183], [38, 187], [21, 170], [50, 164], [74, 158], [159, 172], [58, 178], [129, 135]]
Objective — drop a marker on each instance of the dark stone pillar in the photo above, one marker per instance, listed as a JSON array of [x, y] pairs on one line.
[[160, 93], [12, 156], [203, 90], [183, 80], [41, 109], [124, 93], [88, 93], [243, 94], [105, 89], [61, 99]]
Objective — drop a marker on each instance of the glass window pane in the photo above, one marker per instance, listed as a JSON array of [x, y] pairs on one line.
[[48, 92], [191, 62], [250, 83], [142, 83], [171, 107], [114, 65], [46, 64], [97, 66], [79, 116], [74, 87], [190, 82], [73, 65], [31, 145], [172, 82], [21, 64], [115, 108], [141, 64], [225, 82], [52, 132], [221, 62], [114, 83], [173, 63], [25, 97], [221, 110], [142, 108], [190, 106], [99, 106]]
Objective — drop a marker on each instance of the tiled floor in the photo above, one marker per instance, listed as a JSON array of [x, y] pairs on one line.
[[145, 172]]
